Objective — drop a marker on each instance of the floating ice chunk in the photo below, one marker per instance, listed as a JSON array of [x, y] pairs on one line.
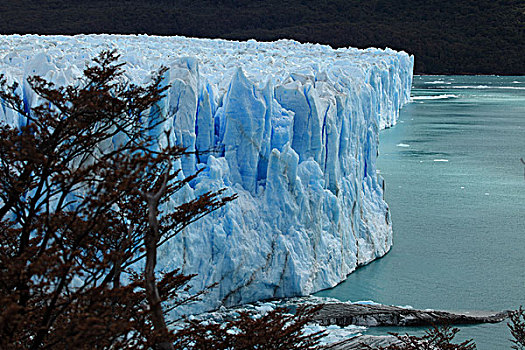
[[483, 87], [367, 302], [333, 333], [435, 82], [511, 87], [265, 308], [470, 87], [434, 97]]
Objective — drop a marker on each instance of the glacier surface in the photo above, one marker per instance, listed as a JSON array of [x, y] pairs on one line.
[[296, 128]]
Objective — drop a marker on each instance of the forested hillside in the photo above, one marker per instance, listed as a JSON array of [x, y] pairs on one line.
[[446, 36]]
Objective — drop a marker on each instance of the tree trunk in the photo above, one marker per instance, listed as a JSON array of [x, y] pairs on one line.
[[151, 238], [152, 294]]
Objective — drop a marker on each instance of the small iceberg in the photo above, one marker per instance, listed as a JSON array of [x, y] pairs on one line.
[[434, 97], [470, 87]]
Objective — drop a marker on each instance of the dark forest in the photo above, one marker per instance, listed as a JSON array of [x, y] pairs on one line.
[[446, 37]]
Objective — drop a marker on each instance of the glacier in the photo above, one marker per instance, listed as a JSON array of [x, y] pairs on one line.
[[294, 131]]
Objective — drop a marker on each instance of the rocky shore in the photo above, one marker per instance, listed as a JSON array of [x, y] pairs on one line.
[[345, 322], [375, 315], [344, 314], [357, 342]]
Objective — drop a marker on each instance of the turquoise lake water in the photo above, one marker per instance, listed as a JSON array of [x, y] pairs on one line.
[[456, 189]]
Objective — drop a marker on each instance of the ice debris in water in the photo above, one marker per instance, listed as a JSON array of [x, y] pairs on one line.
[[296, 126], [333, 333], [434, 97]]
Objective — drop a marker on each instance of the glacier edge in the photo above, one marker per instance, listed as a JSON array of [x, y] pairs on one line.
[[296, 127]]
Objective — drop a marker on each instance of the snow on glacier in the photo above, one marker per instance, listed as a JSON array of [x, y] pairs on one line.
[[295, 128]]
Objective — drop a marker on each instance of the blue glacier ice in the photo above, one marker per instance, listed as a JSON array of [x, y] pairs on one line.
[[295, 128]]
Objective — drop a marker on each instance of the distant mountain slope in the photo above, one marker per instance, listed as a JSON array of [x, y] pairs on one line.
[[446, 36]]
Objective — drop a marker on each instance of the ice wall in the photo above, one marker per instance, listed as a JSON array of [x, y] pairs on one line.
[[296, 129]]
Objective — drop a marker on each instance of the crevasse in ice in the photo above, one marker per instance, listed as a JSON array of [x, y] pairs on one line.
[[295, 128]]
